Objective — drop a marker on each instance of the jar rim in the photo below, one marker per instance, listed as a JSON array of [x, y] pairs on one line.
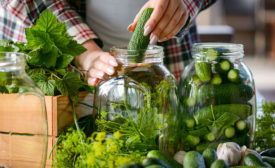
[[232, 50], [152, 54]]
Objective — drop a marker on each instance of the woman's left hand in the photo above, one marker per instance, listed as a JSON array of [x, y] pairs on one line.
[[167, 19]]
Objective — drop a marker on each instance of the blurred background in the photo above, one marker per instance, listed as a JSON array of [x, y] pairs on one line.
[[251, 23]]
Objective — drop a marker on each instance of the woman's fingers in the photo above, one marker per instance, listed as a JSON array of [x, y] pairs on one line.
[[179, 15], [178, 27]]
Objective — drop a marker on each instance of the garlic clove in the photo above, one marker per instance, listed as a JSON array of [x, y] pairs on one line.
[[229, 152], [179, 156]]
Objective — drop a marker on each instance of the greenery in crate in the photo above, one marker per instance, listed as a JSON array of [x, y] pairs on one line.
[[49, 54]]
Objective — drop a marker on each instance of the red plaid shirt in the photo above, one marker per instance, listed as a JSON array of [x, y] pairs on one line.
[[16, 15]]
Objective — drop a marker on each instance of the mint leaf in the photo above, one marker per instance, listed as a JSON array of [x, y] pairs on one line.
[[74, 48], [38, 39], [49, 59], [33, 57], [34, 71], [60, 41], [70, 85], [3, 89], [7, 46], [47, 86], [64, 60]]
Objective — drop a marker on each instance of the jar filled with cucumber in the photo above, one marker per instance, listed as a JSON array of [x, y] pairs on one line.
[[216, 97]]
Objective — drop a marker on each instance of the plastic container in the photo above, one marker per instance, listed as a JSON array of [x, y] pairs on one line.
[[217, 97], [23, 120], [140, 99]]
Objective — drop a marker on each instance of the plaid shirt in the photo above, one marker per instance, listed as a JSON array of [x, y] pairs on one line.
[[16, 15]]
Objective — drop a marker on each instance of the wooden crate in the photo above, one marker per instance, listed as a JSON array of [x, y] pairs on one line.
[[17, 115]]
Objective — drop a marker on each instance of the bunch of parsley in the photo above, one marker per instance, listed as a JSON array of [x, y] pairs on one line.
[[49, 54]]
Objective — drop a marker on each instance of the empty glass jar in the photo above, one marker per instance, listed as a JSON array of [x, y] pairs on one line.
[[23, 120], [217, 97], [140, 100]]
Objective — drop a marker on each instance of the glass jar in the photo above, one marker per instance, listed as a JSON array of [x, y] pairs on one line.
[[217, 97], [140, 101], [23, 120]]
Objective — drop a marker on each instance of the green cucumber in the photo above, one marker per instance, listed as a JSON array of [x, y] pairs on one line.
[[270, 160], [192, 140], [229, 132], [269, 152], [223, 66], [155, 166], [224, 94], [216, 80], [252, 160], [139, 43], [210, 137], [209, 155], [234, 76], [190, 123], [204, 116], [247, 167], [203, 71], [240, 125], [158, 155], [211, 54], [193, 159], [154, 161], [219, 164]]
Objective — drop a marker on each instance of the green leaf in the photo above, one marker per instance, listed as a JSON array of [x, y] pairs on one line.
[[60, 41], [47, 86], [3, 89], [64, 60], [34, 71], [38, 39], [61, 71], [70, 85], [7, 46], [33, 57], [74, 48]]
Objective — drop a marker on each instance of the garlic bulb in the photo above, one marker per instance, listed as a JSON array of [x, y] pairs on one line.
[[179, 156], [245, 151], [229, 152]]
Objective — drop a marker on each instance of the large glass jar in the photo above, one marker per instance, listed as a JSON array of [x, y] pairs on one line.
[[217, 97], [23, 120], [140, 101]]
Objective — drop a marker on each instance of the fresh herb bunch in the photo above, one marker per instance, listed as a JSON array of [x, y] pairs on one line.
[[95, 151], [49, 54], [265, 128]]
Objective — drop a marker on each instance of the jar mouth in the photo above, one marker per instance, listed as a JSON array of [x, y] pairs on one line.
[[229, 50], [152, 53], [12, 61]]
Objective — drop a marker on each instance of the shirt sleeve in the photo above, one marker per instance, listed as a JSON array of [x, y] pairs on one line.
[[28, 12], [194, 7]]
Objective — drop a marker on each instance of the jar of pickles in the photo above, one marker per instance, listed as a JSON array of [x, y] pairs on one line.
[[139, 101], [216, 97]]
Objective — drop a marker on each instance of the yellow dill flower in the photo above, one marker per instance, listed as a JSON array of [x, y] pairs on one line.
[[109, 141], [112, 148], [100, 136], [98, 148], [117, 135], [122, 160], [90, 159]]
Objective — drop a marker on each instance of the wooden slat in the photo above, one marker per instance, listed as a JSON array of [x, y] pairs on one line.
[[21, 148]]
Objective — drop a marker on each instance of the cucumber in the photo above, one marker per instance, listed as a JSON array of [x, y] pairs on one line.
[[269, 152], [139, 43], [154, 161], [270, 160], [209, 155], [155, 166], [246, 167], [158, 155], [223, 66], [203, 71], [193, 159], [216, 80], [190, 123], [192, 140], [210, 137], [224, 94], [219, 164], [204, 116], [229, 132], [211, 54], [241, 125], [252, 160], [234, 76]]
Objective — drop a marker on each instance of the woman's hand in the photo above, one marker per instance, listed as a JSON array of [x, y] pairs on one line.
[[95, 63], [167, 19]]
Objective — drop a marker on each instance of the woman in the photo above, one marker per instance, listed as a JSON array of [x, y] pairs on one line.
[[172, 25]]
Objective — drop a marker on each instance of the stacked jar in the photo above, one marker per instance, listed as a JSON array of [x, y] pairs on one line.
[[216, 97]]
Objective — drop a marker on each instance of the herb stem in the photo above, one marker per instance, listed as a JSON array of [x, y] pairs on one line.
[[86, 104], [75, 119], [82, 74]]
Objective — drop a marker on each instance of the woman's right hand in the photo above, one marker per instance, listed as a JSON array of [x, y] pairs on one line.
[[95, 63]]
